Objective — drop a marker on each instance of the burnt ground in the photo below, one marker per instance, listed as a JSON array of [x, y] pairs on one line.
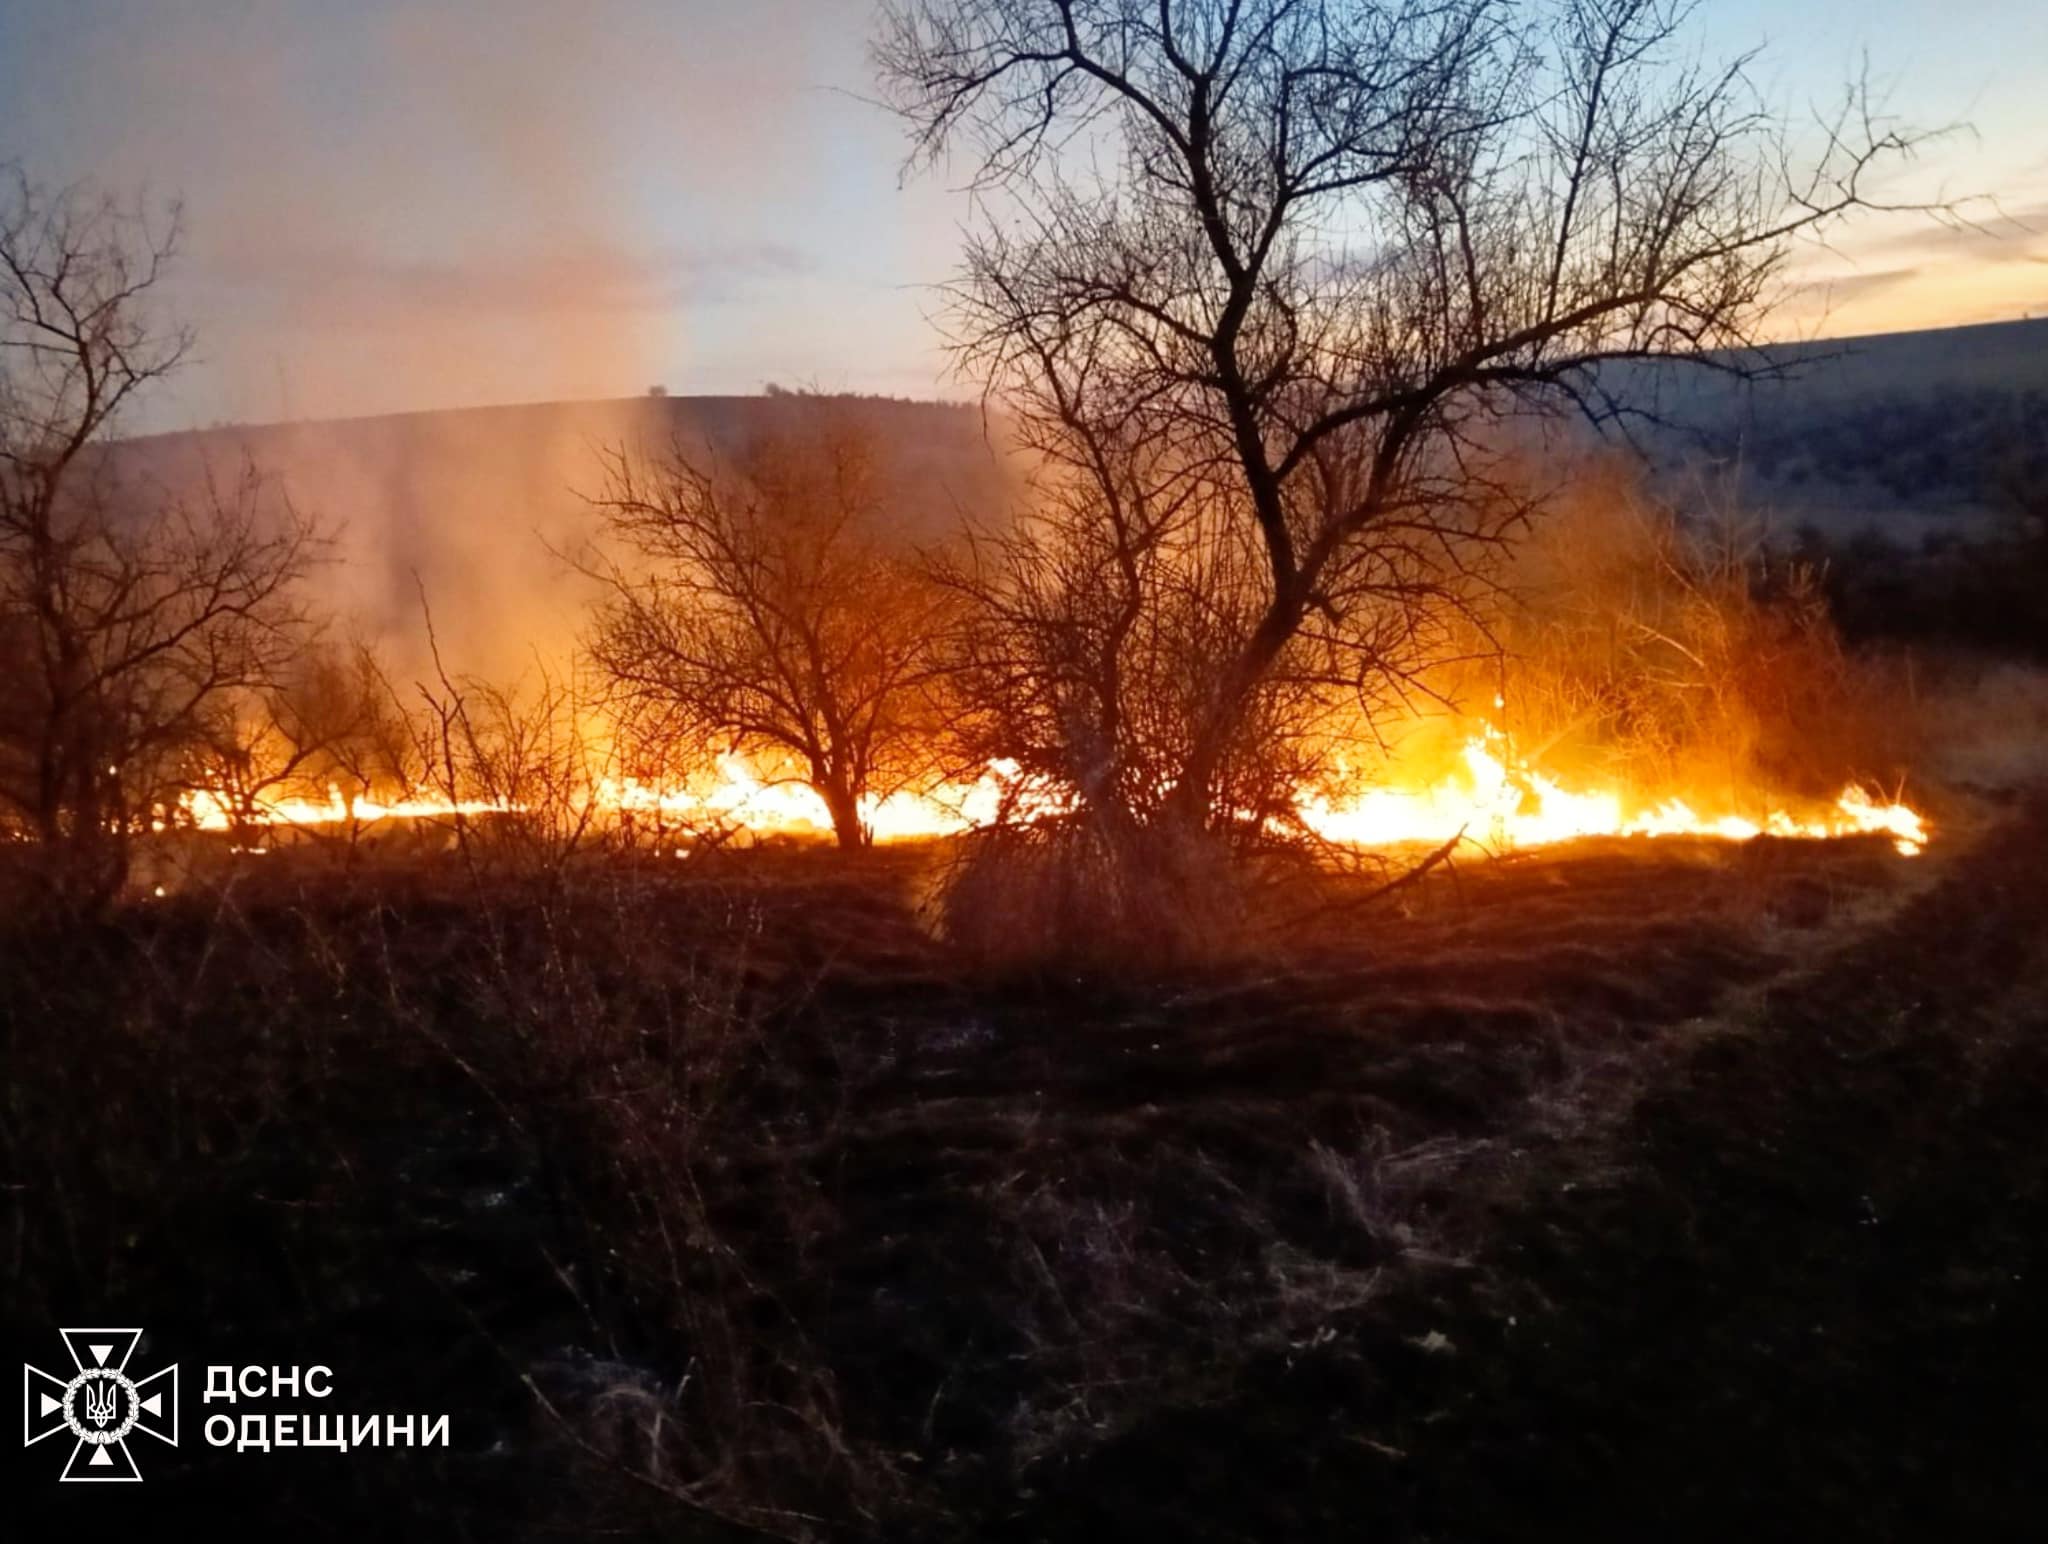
[[1677, 1189]]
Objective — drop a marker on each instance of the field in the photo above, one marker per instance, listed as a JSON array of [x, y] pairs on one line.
[[1623, 1189], [1021, 771]]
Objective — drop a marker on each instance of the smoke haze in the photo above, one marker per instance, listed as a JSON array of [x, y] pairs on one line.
[[479, 508]]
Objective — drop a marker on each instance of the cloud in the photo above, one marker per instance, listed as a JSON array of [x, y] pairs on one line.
[[371, 286], [1903, 270], [1843, 288], [2017, 235]]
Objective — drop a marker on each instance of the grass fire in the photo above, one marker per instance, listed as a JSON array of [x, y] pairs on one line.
[[1340, 839], [1514, 804]]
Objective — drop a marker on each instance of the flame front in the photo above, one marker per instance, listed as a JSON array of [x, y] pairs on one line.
[[1505, 803], [742, 798], [211, 811], [1490, 797]]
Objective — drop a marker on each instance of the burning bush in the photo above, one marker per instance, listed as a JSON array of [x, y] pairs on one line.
[[1680, 657], [1589, 662]]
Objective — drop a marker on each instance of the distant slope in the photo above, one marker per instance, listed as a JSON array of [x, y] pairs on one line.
[[1910, 433], [1823, 375]]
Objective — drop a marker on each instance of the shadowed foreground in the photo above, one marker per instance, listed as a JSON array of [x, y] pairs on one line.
[[1679, 1188], [1797, 1291]]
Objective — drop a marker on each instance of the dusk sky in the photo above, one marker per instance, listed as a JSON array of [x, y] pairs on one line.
[[399, 204]]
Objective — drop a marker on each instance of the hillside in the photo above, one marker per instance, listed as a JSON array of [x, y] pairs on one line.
[[1913, 434]]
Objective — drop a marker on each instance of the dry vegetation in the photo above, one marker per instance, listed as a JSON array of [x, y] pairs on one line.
[[1135, 1163], [1660, 647], [791, 1221]]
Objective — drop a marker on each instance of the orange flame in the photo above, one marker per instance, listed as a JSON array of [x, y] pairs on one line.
[[741, 797], [1491, 796], [1505, 803]]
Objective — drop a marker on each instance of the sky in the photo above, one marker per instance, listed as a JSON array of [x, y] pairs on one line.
[[400, 204]]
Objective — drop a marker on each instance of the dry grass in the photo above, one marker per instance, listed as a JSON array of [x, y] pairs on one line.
[[1082, 893], [1671, 653], [1985, 723], [817, 1231]]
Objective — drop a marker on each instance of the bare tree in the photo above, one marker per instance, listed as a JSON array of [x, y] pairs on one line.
[[762, 608], [326, 728], [1314, 252], [129, 620]]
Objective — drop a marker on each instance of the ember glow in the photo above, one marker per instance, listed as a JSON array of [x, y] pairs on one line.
[[1491, 798]]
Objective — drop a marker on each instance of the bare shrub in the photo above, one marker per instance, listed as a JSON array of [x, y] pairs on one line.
[[326, 730], [1085, 648], [514, 765], [1080, 892], [1084, 654], [761, 611]]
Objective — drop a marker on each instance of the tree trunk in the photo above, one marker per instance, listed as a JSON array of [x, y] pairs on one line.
[[1191, 804], [845, 810]]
